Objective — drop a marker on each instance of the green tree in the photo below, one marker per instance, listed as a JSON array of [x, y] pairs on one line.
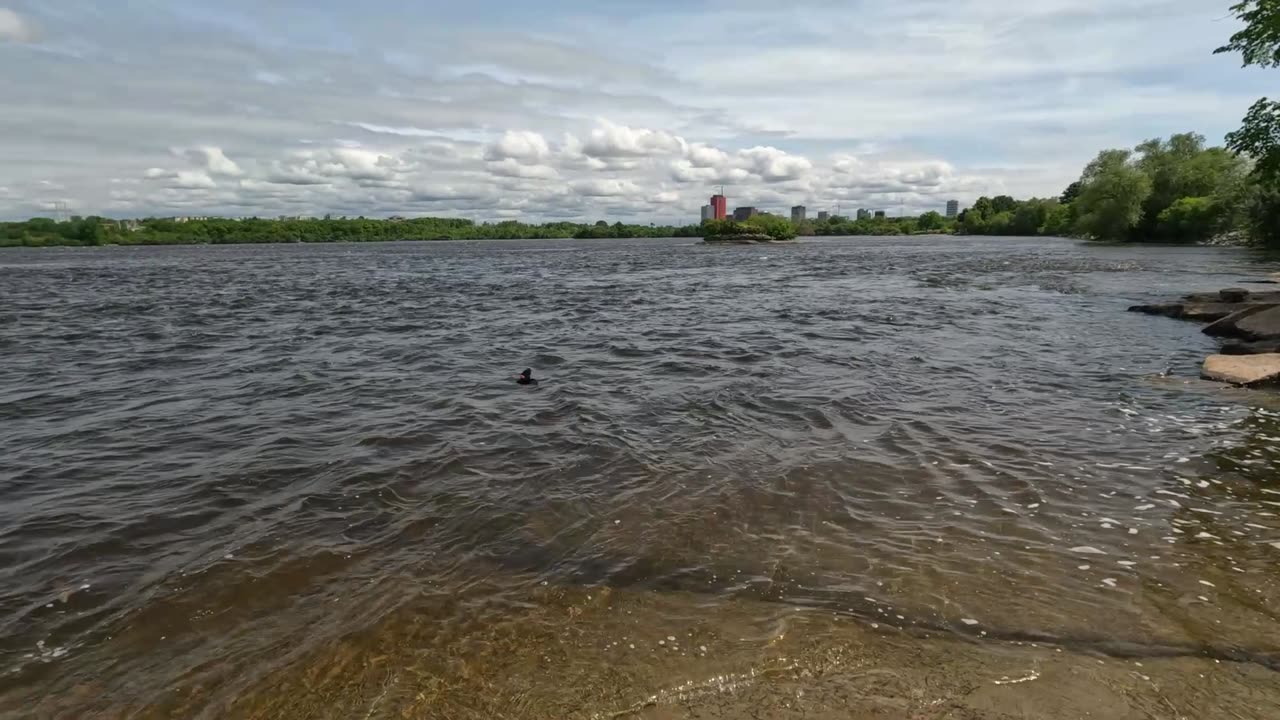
[[776, 227], [1259, 138], [931, 222], [1261, 213], [1259, 41], [1190, 219], [1111, 198], [1000, 224], [1259, 135], [1071, 193], [1182, 167], [1058, 220], [1030, 216], [1003, 203]]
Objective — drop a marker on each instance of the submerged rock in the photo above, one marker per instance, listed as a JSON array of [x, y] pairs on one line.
[[1246, 370]]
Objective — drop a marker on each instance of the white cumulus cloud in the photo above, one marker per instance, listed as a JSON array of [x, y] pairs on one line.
[[15, 28], [192, 180], [609, 140], [512, 168], [773, 164], [522, 145], [217, 163], [606, 188]]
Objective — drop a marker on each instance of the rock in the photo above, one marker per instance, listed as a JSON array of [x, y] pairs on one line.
[[1261, 326], [1255, 322], [1233, 295], [1246, 370], [1173, 311], [1210, 312], [1229, 326], [1261, 297], [1251, 348], [1199, 311]]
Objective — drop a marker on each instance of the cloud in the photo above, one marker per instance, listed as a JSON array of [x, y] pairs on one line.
[[15, 28], [323, 167], [606, 188], [521, 145], [192, 180], [618, 141], [284, 176], [774, 165], [489, 111], [705, 164], [704, 156], [215, 161], [511, 168], [269, 78], [446, 193]]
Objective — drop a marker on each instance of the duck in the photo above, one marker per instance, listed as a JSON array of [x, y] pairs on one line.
[[526, 377]]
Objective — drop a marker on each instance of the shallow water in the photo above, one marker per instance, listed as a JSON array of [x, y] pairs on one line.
[[297, 481]]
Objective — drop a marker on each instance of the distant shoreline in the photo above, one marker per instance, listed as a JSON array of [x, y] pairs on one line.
[[97, 231], [696, 240]]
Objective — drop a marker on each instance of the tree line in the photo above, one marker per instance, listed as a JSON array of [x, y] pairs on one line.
[[39, 232]]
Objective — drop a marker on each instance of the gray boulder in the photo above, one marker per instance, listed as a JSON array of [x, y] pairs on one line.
[[1254, 323]]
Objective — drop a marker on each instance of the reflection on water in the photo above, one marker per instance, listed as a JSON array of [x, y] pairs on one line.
[[902, 476]]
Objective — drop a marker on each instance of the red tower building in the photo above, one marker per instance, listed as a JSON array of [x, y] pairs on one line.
[[720, 206]]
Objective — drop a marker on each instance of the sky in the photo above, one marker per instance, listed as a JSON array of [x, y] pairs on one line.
[[632, 111]]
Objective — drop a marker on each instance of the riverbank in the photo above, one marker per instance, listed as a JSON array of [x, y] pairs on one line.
[[621, 655]]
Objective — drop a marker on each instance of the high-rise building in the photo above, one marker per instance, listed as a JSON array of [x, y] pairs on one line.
[[823, 216], [953, 208], [798, 214], [708, 213], [864, 214], [744, 213], [879, 214], [719, 207]]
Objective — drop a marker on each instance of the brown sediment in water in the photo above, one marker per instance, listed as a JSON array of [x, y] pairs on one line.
[[597, 654]]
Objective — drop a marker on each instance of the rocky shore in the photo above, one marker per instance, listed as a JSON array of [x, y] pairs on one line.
[[1247, 322]]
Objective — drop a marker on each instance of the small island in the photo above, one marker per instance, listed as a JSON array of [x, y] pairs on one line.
[[757, 230]]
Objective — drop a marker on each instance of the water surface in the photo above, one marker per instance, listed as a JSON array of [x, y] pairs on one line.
[[297, 481]]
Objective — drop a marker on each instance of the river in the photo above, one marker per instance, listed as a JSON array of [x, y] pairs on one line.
[[907, 478]]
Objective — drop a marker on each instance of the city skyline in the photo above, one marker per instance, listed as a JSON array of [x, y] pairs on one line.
[[799, 213], [496, 109]]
